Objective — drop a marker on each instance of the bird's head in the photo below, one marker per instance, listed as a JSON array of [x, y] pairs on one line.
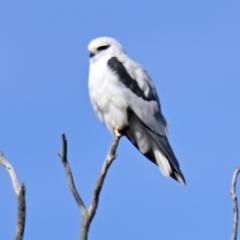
[[104, 46]]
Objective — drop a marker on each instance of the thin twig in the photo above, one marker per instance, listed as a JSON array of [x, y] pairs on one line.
[[12, 173], [109, 159], [71, 184], [97, 190], [20, 193], [235, 204], [88, 214]]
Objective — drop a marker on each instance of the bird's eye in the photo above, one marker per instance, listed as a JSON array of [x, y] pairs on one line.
[[101, 48]]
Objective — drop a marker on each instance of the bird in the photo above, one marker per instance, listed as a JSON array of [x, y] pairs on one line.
[[125, 99]]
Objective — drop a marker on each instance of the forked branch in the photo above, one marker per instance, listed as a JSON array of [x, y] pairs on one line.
[[88, 213], [20, 193]]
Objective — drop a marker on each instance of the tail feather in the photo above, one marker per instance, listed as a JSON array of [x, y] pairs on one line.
[[166, 150], [162, 162], [155, 147]]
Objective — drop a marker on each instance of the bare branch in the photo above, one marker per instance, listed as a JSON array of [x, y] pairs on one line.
[[21, 213], [20, 193], [11, 172], [109, 159], [71, 184], [96, 193], [88, 214], [235, 204]]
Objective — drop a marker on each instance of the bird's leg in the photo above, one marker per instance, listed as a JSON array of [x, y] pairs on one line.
[[117, 131]]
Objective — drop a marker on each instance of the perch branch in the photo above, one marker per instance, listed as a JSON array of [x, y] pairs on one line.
[[96, 193], [235, 204], [20, 193], [88, 214]]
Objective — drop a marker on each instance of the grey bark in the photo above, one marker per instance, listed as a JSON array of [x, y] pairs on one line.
[[235, 204], [88, 213], [20, 193]]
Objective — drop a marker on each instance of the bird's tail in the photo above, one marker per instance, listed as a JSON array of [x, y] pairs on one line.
[[165, 158], [155, 147]]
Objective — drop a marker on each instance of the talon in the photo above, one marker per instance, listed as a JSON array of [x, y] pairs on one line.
[[117, 132]]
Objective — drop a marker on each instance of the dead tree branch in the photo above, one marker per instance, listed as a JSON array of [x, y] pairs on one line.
[[71, 184], [88, 213], [20, 193], [235, 204]]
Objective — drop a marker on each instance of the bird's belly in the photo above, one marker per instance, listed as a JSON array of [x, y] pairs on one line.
[[109, 104]]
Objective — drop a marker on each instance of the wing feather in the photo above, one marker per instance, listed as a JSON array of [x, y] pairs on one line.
[[147, 126]]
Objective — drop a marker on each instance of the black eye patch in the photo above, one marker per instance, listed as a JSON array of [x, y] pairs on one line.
[[101, 48]]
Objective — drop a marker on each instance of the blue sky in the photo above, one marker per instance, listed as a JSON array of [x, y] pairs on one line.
[[191, 49]]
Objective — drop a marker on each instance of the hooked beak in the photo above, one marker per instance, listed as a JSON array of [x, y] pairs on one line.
[[91, 54]]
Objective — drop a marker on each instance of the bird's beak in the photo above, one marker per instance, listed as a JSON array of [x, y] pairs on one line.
[[91, 54]]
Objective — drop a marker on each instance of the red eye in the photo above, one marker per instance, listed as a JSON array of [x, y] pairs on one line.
[[101, 48]]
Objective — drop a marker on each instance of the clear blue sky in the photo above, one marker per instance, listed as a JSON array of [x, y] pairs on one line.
[[191, 49]]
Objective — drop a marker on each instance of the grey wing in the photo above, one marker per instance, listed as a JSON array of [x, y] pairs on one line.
[[140, 92], [147, 126]]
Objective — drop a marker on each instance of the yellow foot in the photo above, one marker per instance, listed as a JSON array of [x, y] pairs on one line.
[[117, 132]]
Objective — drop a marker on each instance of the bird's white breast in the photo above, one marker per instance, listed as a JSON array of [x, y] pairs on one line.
[[107, 95]]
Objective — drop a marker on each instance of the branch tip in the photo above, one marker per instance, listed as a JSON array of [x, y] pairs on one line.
[[64, 137], [68, 171]]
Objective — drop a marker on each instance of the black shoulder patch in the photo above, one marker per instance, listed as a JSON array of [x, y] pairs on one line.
[[123, 76]]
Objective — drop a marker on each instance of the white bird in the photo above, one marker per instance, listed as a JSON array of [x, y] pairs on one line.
[[125, 100]]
